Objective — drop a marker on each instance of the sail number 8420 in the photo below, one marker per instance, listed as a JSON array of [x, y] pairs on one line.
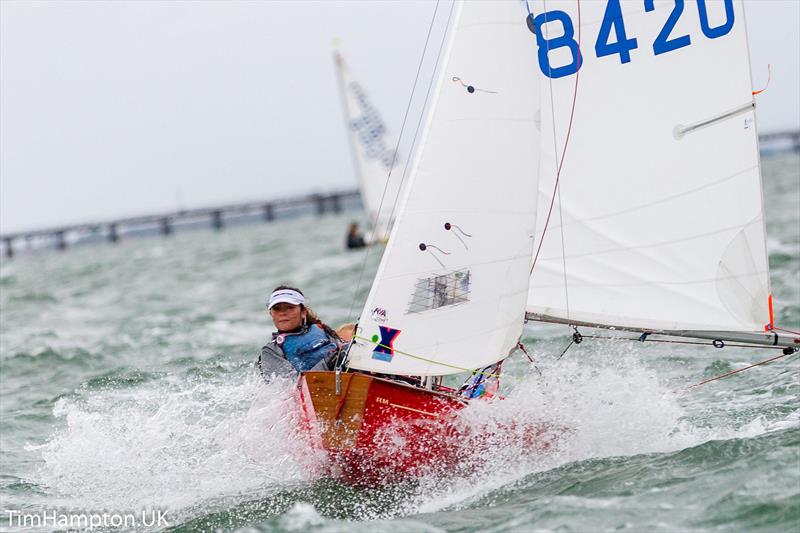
[[619, 44]]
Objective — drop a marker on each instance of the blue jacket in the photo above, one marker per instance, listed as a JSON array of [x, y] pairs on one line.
[[308, 349]]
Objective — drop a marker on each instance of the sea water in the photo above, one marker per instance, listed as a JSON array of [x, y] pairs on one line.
[[128, 388]]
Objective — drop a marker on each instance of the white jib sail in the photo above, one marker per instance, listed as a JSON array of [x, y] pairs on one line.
[[659, 221], [373, 155], [450, 291]]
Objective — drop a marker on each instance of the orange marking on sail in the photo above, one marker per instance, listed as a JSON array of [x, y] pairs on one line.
[[769, 77], [771, 325]]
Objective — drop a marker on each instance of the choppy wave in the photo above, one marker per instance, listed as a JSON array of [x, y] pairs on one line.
[[127, 383], [225, 446]]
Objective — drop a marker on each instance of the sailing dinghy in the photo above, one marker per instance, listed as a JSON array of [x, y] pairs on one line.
[[449, 295], [639, 119]]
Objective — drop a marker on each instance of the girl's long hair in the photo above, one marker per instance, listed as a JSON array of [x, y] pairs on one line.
[[311, 316]]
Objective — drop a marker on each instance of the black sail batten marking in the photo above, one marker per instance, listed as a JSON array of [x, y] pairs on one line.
[[429, 248], [449, 226], [471, 88]]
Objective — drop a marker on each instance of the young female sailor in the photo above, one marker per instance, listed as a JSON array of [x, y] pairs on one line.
[[302, 341]]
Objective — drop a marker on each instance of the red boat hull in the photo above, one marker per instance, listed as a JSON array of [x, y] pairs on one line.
[[378, 431]]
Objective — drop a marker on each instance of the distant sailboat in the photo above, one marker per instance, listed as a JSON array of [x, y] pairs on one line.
[[373, 156], [656, 224]]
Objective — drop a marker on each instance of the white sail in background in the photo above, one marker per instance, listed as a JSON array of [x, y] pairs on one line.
[[373, 155], [450, 291], [659, 221]]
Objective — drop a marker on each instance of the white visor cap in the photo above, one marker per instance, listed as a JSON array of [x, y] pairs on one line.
[[288, 296]]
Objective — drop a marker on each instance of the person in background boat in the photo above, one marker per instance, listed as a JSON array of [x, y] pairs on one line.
[[354, 238], [302, 341]]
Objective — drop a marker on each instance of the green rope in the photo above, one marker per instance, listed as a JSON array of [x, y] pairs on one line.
[[420, 358]]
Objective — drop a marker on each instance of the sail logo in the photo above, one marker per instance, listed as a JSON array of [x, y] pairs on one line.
[[384, 349], [369, 129], [379, 314]]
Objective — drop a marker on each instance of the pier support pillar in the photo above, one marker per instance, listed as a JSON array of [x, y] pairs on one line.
[[336, 203], [9, 248], [269, 213], [113, 236], [216, 219], [61, 243], [319, 202], [166, 229]]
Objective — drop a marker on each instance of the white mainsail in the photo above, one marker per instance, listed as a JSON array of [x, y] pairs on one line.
[[658, 223], [449, 294], [373, 157]]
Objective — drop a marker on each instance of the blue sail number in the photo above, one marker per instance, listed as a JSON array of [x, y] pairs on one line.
[[719, 31], [622, 44], [613, 20], [663, 43], [546, 45]]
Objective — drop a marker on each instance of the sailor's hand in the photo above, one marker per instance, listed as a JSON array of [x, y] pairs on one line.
[[346, 332]]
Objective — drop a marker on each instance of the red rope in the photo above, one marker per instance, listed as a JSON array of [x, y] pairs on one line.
[[765, 361], [566, 141], [769, 78], [787, 330]]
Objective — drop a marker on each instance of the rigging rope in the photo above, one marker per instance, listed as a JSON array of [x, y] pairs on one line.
[[732, 372], [565, 350], [786, 351], [522, 347], [559, 166], [424, 105], [396, 148], [577, 338], [425, 359], [566, 141]]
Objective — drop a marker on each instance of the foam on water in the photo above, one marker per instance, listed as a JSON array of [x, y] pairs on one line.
[[301, 517], [173, 444], [183, 443], [193, 445], [607, 403], [145, 349]]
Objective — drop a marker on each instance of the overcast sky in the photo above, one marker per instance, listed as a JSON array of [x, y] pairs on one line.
[[110, 109]]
